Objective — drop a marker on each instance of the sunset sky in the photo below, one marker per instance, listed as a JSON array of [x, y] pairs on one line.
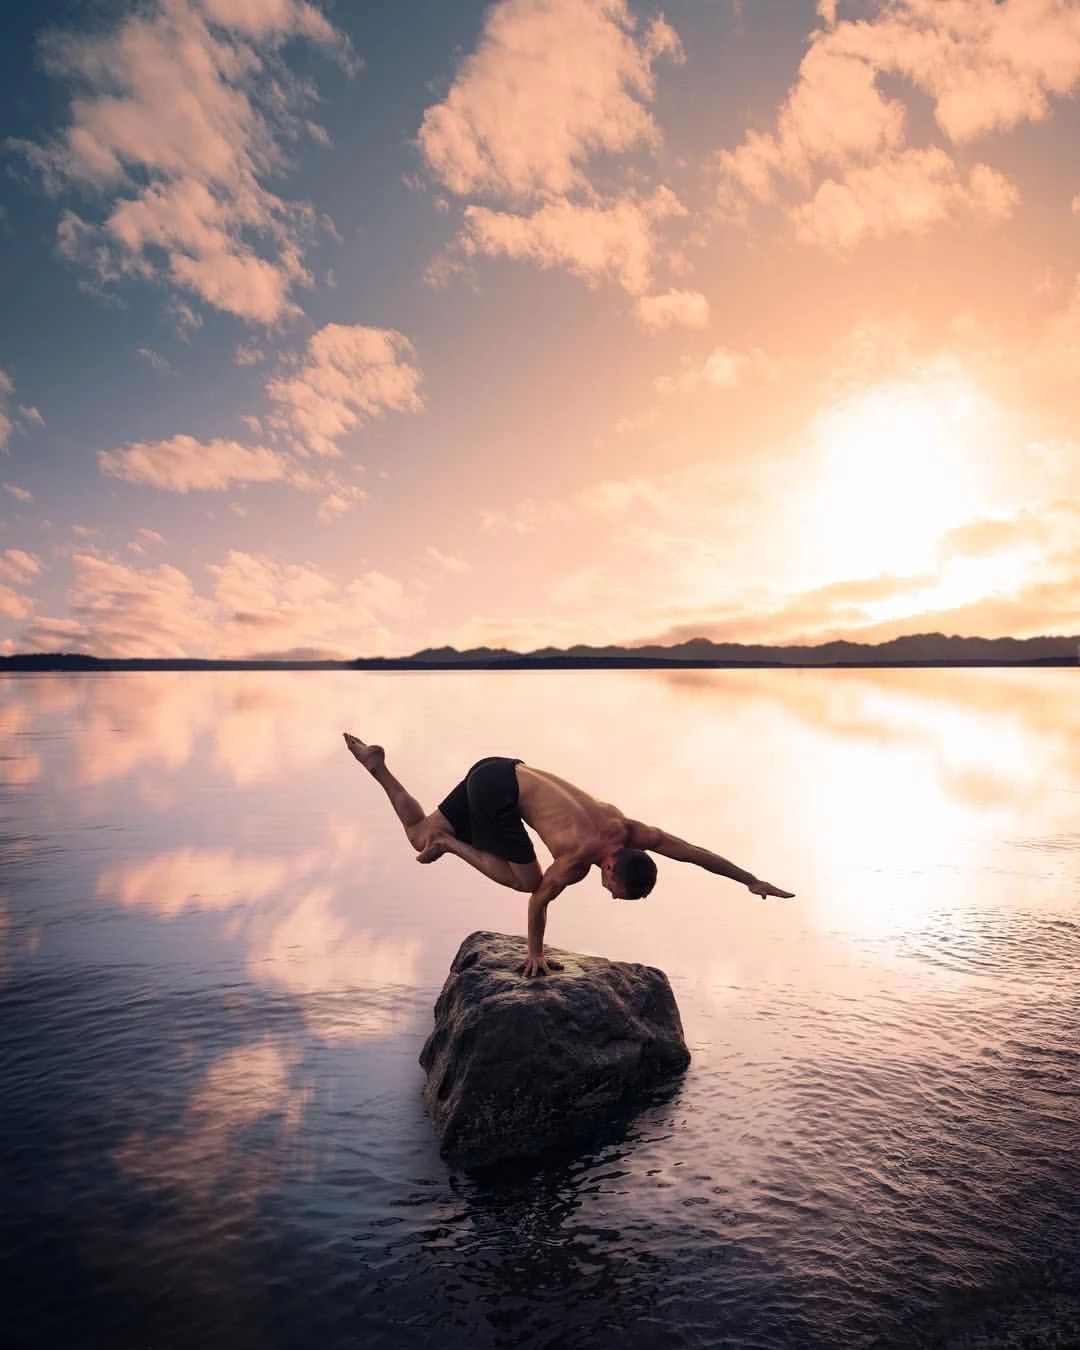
[[352, 329]]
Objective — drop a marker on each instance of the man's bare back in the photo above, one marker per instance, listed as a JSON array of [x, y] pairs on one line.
[[579, 830], [567, 818]]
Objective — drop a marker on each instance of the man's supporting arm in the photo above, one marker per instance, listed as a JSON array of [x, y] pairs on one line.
[[554, 881]]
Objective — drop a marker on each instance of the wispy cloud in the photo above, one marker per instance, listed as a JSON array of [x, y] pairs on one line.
[[672, 309], [838, 157], [18, 566], [6, 390], [721, 369], [902, 194], [446, 561], [17, 570], [257, 606], [20, 418], [610, 241], [155, 360], [348, 375], [184, 464], [550, 83], [179, 116]]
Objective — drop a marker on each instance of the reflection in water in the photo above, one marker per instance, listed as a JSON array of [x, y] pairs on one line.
[[353, 983], [218, 959], [215, 1144], [298, 935], [17, 765], [207, 878]]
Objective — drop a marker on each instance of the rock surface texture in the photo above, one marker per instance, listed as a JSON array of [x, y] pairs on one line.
[[516, 1066]]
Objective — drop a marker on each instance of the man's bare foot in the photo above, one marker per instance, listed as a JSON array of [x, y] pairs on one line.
[[435, 849], [372, 757]]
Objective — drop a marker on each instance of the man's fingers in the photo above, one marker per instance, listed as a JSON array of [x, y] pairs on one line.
[[532, 968], [766, 888]]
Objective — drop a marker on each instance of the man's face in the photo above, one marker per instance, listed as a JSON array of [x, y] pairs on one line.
[[611, 881]]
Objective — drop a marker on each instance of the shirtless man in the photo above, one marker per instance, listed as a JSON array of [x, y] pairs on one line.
[[480, 820]]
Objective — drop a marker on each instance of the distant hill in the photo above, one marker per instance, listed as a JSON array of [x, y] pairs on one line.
[[918, 649]]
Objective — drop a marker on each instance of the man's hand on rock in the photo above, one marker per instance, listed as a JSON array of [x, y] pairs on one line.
[[764, 888], [538, 965]]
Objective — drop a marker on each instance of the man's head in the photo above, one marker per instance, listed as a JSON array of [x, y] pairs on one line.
[[628, 873]]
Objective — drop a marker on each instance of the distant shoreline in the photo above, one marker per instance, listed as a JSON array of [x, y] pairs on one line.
[[89, 665]]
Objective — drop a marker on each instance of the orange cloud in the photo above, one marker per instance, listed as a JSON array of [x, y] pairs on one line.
[[901, 194], [991, 535], [721, 369], [18, 566], [686, 309], [259, 607], [341, 498], [987, 66], [551, 82], [604, 241], [17, 569], [183, 464], [350, 374], [834, 114], [527, 517]]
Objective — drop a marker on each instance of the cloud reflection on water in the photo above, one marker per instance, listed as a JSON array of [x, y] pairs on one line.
[[273, 921], [210, 1148]]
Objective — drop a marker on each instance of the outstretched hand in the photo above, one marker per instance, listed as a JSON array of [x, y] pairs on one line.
[[765, 888], [538, 965]]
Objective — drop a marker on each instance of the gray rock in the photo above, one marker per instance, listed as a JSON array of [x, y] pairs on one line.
[[516, 1066]]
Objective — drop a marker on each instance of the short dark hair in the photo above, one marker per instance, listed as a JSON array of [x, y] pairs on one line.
[[635, 871]]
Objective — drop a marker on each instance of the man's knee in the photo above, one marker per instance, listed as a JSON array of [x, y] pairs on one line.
[[424, 831]]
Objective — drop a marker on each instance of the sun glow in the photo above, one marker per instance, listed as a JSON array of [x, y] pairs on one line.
[[901, 462]]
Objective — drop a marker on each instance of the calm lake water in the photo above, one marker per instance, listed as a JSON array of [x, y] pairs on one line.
[[218, 959]]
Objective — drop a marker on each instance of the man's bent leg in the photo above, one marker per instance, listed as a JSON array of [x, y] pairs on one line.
[[518, 876]]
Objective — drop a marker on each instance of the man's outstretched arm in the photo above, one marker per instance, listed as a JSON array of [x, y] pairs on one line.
[[670, 846], [555, 880]]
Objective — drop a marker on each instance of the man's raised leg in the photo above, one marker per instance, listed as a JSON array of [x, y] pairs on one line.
[[408, 809]]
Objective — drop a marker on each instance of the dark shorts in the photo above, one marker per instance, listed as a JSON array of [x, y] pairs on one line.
[[483, 810]]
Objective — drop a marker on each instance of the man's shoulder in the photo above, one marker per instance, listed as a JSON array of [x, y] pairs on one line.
[[572, 866], [640, 835]]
